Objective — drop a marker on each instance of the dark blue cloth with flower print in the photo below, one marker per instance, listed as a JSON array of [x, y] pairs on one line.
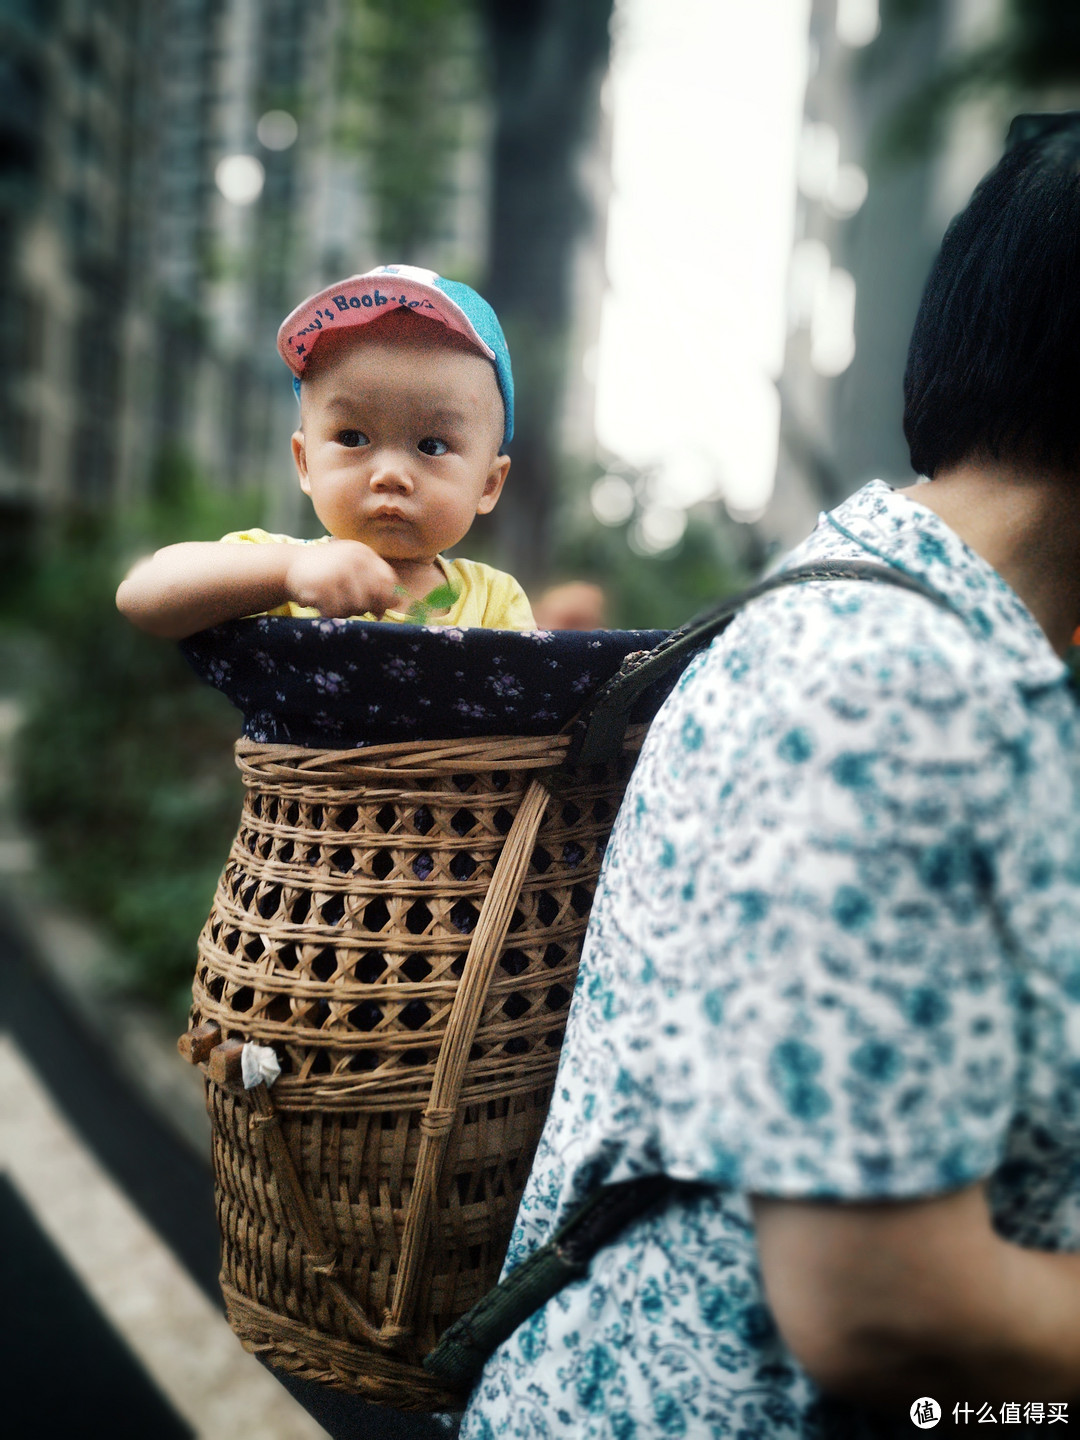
[[338, 684], [834, 953]]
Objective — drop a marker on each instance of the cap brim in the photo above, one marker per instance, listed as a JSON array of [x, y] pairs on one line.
[[358, 301]]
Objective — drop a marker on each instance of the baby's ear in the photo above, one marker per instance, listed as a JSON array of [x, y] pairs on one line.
[[299, 455], [493, 485]]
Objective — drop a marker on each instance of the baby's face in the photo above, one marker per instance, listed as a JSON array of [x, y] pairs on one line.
[[400, 431]]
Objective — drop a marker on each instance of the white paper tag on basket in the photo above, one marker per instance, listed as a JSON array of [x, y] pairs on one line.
[[258, 1063]]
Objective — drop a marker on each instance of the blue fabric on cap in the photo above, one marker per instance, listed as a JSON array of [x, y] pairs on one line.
[[486, 324]]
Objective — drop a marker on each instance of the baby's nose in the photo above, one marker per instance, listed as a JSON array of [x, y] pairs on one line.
[[391, 472]]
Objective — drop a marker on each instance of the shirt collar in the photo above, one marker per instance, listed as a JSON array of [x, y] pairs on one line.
[[877, 521]]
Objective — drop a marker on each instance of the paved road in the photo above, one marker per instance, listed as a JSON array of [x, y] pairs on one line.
[[78, 1352]]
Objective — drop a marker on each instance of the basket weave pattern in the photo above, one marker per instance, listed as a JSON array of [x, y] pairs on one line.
[[414, 1086]]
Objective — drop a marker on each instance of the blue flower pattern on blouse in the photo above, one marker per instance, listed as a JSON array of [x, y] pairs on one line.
[[835, 952]]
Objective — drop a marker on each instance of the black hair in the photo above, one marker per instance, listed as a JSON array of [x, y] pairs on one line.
[[994, 363]]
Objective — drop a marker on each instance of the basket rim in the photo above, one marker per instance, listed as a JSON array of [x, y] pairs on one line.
[[264, 761]]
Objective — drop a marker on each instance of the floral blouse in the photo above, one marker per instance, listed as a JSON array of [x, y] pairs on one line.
[[835, 952]]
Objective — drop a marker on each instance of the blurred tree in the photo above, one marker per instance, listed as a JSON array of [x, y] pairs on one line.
[[407, 71], [714, 557], [280, 84], [546, 60], [1036, 47], [124, 766], [647, 592]]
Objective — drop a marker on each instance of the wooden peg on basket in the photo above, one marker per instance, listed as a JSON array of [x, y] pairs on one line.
[[224, 1064], [195, 1045]]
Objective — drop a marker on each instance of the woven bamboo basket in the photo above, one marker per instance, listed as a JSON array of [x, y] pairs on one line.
[[402, 924]]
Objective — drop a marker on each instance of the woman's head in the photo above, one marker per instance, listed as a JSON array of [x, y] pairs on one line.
[[994, 364]]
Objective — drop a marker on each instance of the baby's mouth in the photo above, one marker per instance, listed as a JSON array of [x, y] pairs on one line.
[[389, 512]]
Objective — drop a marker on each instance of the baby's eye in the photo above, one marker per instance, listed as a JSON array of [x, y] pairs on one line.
[[352, 438], [430, 446]]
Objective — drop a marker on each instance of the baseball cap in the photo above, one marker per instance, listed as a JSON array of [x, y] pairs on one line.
[[363, 298]]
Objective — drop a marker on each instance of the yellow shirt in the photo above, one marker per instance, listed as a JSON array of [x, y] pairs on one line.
[[486, 597]]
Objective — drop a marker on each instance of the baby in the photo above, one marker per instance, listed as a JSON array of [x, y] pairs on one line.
[[406, 404]]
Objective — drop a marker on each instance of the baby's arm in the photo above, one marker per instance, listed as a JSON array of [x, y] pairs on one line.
[[188, 587]]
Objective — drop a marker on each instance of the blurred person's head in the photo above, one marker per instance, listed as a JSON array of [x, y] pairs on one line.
[[404, 409], [993, 368], [576, 605]]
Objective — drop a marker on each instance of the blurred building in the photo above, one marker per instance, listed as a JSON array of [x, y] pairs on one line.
[[868, 226], [107, 128], [589, 278], [70, 110], [172, 180]]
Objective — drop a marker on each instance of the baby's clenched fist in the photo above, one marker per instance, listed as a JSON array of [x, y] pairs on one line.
[[340, 578]]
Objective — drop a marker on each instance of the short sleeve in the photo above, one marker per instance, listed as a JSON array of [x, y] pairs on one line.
[[508, 606], [490, 598], [795, 981]]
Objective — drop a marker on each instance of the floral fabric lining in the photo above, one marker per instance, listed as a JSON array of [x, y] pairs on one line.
[[346, 683]]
